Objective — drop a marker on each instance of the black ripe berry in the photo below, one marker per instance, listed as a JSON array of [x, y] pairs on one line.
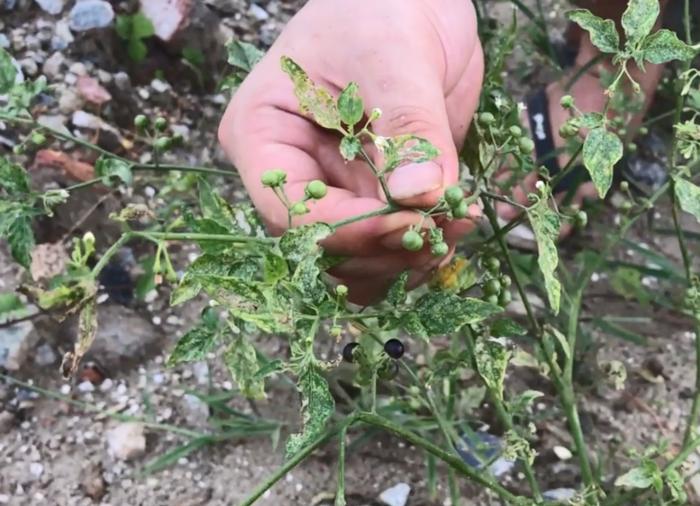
[[394, 348], [389, 370], [348, 351]]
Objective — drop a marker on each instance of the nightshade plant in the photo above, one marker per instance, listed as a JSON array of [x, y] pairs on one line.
[[258, 284]]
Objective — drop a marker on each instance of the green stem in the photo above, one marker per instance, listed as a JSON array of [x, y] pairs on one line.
[[187, 236], [84, 184], [451, 460], [379, 175], [113, 249], [183, 168], [340, 494], [389, 209]]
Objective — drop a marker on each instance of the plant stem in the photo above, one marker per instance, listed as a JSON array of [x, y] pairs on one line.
[[183, 168], [451, 460], [107, 255], [360, 217], [340, 494], [84, 184], [187, 236], [378, 174]]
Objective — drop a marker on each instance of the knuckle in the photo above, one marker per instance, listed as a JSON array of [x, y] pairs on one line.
[[411, 119]]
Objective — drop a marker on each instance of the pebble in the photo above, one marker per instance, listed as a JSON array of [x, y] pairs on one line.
[[36, 469], [69, 101], [78, 68], [396, 495], [52, 7], [4, 499], [86, 387], [562, 453], [65, 389], [90, 14], [45, 355], [4, 41], [127, 441], [258, 12], [62, 36], [52, 65], [122, 81], [160, 86], [29, 66]]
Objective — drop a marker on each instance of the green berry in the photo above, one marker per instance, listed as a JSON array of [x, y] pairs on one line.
[[492, 264], [163, 143], [412, 241], [581, 219], [38, 138], [624, 186], [336, 331], [515, 131], [341, 290], [273, 178], [389, 370], [567, 101], [568, 131], [440, 249], [504, 298], [141, 122], [316, 189], [491, 299], [643, 130], [505, 280], [486, 118], [161, 124], [18, 149], [299, 209], [492, 287], [526, 145], [461, 211], [454, 195]]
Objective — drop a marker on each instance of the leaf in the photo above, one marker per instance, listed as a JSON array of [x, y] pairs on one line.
[[87, 330], [688, 195], [21, 240], [601, 151], [242, 55], [397, 291], [676, 483], [350, 147], [301, 242], [552, 332], [197, 342], [122, 26], [639, 18], [664, 46], [141, 26], [491, 358], [350, 105], [242, 363], [137, 50], [113, 171], [545, 225], [317, 407], [313, 100], [505, 327], [8, 72], [603, 33], [275, 268], [405, 149], [442, 313], [13, 178], [643, 476]]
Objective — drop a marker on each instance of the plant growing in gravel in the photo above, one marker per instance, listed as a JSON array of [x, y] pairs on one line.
[[261, 285]]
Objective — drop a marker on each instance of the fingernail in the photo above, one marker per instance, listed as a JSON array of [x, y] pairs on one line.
[[414, 179]]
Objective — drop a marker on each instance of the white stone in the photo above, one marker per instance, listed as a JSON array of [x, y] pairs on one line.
[[127, 441], [90, 14], [396, 495], [51, 6], [562, 452]]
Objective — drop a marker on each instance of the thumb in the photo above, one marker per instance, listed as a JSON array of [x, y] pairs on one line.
[[417, 108]]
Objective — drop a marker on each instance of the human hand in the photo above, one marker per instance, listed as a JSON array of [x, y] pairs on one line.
[[418, 61]]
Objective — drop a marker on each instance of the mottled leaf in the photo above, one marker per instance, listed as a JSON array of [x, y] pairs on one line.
[[298, 243], [198, 341], [275, 268], [442, 313], [397, 291], [20, 237], [350, 147], [113, 171], [601, 151], [505, 327], [13, 178], [688, 196], [8, 72], [405, 149], [602, 31], [491, 357], [242, 55], [313, 100], [644, 476], [350, 105], [242, 363], [664, 46], [639, 18], [317, 407], [545, 225]]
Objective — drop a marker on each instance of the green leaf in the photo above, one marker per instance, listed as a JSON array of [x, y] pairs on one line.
[[313, 100], [491, 358], [644, 476], [193, 56], [688, 196], [242, 362], [442, 313], [350, 105], [275, 268], [137, 50], [113, 171], [13, 178], [602, 31], [676, 486], [302, 242], [505, 327], [350, 147], [545, 225], [317, 407], [141, 26], [397, 292], [639, 18], [242, 55], [664, 46], [554, 333], [21, 240], [197, 342], [601, 151], [122, 26], [8, 72], [405, 149]]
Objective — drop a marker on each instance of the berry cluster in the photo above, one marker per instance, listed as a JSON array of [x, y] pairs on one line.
[[495, 285], [387, 369]]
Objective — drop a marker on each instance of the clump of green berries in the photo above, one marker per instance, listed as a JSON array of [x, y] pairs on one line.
[[412, 241], [274, 178], [495, 285]]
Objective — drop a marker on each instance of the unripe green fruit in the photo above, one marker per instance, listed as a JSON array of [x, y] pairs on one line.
[[567, 101], [38, 138], [440, 249], [491, 264], [461, 211], [454, 195], [506, 281], [624, 186], [141, 122], [486, 118], [316, 189], [336, 331], [163, 143], [341, 290], [504, 298], [273, 178], [568, 130], [412, 241], [161, 124], [491, 299], [581, 219], [492, 287], [515, 131], [18, 149], [526, 145], [299, 209]]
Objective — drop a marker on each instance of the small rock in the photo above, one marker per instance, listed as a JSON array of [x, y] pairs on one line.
[[195, 411], [45, 355], [7, 421], [562, 453], [159, 86], [93, 484], [52, 7], [396, 495], [122, 81], [4, 499], [4, 41], [78, 68], [258, 12], [36, 469], [55, 122], [90, 14], [15, 343], [167, 16], [69, 101], [127, 441], [92, 91], [29, 66], [86, 386], [62, 36], [52, 65], [559, 494]]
